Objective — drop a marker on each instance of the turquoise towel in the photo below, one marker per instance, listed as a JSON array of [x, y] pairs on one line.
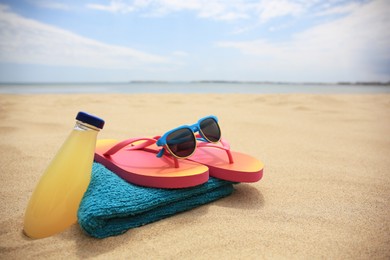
[[111, 206]]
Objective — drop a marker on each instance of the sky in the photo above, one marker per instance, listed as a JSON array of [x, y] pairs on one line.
[[186, 40]]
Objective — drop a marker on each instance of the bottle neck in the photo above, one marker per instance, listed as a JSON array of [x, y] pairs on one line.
[[81, 126]]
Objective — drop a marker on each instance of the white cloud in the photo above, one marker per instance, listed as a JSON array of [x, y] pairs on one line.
[[270, 9], [3, 8], [29, 41], [340, 9], [161, 7], [50, 4], [114, 7], [255, 12], [356, 46], [210, 9]]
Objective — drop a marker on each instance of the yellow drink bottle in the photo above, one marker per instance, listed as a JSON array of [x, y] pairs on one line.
[[54, 203]]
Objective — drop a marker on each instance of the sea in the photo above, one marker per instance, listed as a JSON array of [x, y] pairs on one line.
[[192, 87]]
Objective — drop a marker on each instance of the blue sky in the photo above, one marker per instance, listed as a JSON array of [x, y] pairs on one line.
[[263, 40]]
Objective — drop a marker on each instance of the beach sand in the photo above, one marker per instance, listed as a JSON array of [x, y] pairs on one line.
[[325, 191]]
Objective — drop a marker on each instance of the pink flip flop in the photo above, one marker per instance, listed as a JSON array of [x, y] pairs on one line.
[[226, 164], [134, 162]]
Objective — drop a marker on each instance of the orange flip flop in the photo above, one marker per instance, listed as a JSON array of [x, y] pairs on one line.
[[133, 161], [226, 164]]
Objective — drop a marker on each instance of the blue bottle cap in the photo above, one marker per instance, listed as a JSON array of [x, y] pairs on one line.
[[90, 119]]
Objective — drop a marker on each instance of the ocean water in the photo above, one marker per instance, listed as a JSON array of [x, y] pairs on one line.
[[189, 87]]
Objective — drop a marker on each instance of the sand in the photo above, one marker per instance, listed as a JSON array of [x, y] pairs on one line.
[[325, 191]]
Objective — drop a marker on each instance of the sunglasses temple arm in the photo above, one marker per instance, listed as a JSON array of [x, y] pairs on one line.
[[161, 153]]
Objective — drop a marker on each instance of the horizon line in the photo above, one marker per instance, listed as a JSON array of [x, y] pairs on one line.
[[383, 83]]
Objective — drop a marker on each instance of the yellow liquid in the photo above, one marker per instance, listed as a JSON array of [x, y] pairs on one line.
[[54, 203]]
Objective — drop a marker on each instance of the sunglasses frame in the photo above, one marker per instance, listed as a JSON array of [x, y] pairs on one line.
[[162, 141]]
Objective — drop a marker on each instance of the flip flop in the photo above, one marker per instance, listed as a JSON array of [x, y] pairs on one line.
[[135, 163], [222, 162], [226, 164]]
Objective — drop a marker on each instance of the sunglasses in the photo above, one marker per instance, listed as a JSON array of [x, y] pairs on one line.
[[181, 141]]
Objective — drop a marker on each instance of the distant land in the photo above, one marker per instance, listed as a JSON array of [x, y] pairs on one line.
[[358, 83], [367, 83]]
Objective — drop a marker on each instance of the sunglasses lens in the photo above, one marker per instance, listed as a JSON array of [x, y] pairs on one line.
[[210, 129], [182, 142]]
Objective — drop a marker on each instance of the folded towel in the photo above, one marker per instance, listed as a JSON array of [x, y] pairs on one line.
[[111, 206]]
